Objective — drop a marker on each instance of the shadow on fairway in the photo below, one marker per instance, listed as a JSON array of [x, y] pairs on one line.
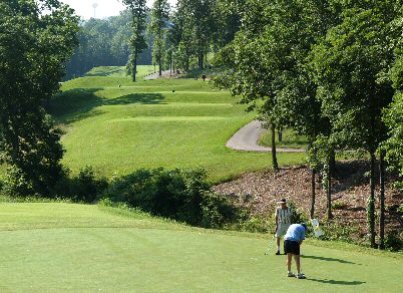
[[329, 259], [335, 282], [78, 104], [138, 98]]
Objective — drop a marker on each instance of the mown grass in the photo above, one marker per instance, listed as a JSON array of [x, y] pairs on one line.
[[56, 247], [289, 140], [118, 126], [119, 71]]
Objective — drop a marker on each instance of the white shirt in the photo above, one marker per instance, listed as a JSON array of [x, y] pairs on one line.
[[283, 215]]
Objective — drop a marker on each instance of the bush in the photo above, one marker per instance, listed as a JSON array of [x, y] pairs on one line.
[[15, 183], [338, 205], [338, 231], [177, 194], [258, 224], [297, 216], [217, 212], [84, 187], [394, 241]]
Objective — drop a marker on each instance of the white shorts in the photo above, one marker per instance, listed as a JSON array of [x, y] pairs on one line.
[[282, 229]]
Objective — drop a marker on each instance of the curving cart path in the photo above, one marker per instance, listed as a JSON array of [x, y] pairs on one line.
[[246, 139]]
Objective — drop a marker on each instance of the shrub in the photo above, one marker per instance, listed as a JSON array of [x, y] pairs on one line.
[[162, 193], [15, 183], [258, 224], [217, 211], [338, 205], [297, 216], [394, 241], [338, 231], [85, 187], [177, 194]]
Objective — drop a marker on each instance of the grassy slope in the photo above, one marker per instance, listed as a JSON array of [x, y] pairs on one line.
[[57, 247], [290, 140], [119, 71], [117, 129]]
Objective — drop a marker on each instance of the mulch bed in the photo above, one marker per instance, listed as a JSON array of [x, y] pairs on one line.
[[259, 192]]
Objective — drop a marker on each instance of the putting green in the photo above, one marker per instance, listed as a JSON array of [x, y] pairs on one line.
[[57, 247]]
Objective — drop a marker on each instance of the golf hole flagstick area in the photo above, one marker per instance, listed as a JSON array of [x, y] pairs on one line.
[[246, 139]]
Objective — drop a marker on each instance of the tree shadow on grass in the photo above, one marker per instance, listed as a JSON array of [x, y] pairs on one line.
[[78, 104], [336, 282], [329, 259], [138, 98]]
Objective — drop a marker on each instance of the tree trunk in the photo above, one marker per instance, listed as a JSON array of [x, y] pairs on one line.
[[134, 73], [382, 200], [329, 192], [332, 161], [160, 68], [371, 203], [273, 148], [313, 194], [280, 135], [201, 61]]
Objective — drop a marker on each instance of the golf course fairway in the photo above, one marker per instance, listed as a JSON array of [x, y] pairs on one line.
[[54, 247], [117, 126]]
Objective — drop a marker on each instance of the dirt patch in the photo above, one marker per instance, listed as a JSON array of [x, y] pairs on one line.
[[260, 191]]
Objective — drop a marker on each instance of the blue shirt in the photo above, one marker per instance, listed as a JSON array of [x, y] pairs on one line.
[[295, 232]]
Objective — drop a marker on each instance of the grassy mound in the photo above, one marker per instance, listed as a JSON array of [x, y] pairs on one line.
[[118, 126], [57, 247]]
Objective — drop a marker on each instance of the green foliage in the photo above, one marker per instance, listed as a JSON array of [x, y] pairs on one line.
[[338, 205], [85, 187], [104, 42], [181, 195], [297, 215], [257, 224], [36, 38], [15, 183], [218, 212], [335, 231], [158, 29], [192, 33], [138, 10], [394, 241], [393, 118]]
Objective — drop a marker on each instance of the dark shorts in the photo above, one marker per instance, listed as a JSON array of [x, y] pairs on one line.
[[291, 247]]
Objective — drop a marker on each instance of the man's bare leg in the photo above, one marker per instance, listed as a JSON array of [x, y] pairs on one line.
[[298, 263], [289, 260], [278, 243]]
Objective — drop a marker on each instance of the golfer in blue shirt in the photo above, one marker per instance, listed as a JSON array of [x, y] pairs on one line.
[[292, 242]]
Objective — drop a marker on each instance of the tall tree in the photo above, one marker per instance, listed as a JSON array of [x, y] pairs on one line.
[[138, 10], [352, 65], [158, 27], [193, 31], [36, 40], [228, 17]]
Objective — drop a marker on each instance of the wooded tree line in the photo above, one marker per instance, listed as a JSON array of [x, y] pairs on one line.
[[104, 42], [331, 70], [183, 36]]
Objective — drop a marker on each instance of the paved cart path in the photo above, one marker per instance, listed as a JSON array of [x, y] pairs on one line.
[[246, 139]]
